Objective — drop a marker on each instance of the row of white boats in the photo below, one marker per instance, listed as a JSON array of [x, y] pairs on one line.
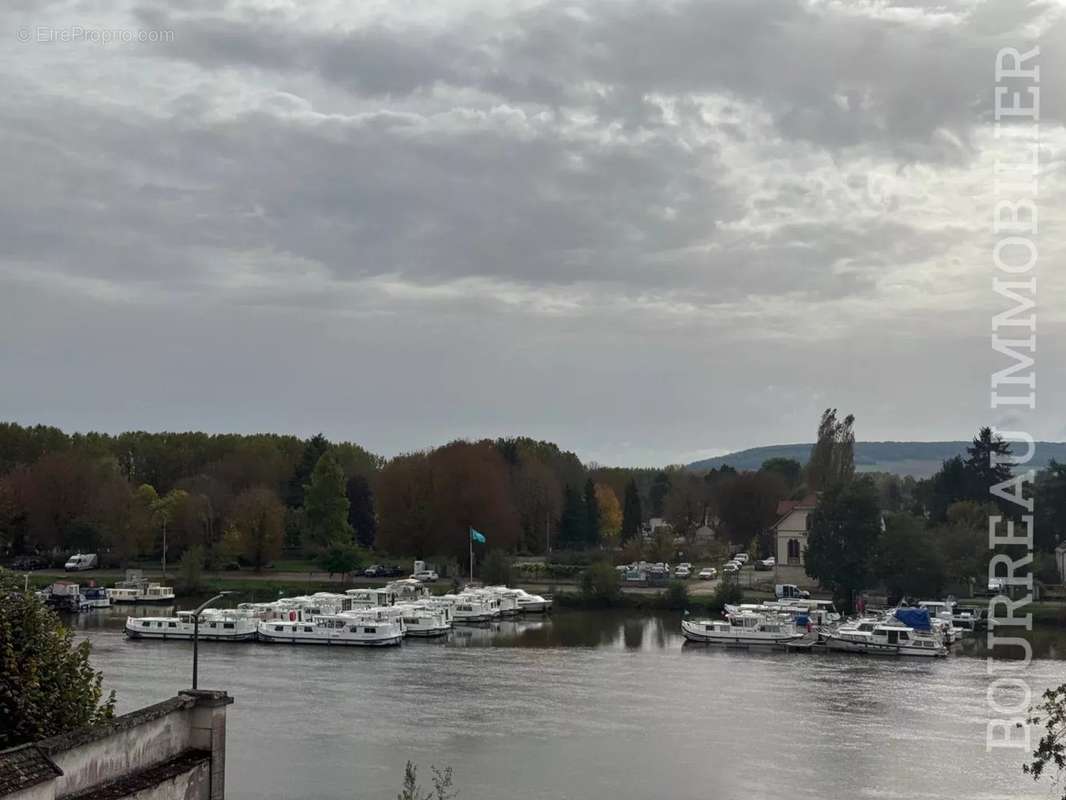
[[376, 617], [926, 630]]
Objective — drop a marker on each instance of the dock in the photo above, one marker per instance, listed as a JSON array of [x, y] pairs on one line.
[[806, 644]]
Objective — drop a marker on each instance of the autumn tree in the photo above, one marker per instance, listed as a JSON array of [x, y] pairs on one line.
[[686, 503], [405, 504], [610, 513], [258, 518], [326, 504], [538, 499], [47, 686]]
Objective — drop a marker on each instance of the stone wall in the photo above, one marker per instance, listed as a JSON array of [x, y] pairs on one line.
[[174, 750]]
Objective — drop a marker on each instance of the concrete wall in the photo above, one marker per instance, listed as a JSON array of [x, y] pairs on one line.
[[174, 750]]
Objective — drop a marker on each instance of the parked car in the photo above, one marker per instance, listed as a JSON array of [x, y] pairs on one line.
[[741, 558], [733, 563], [708, 574], [425, 575], [732, 568], [79, 562], [765, 564], [28, 563], [682, 571]]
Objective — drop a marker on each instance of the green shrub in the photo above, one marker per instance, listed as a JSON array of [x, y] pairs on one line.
[[496, 569], [599, 583], [190, 570], [727, 593], [676, 595]]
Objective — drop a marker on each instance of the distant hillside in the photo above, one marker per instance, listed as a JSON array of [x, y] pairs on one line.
[[920, 459]]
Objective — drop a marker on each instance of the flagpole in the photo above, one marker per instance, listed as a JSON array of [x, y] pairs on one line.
[[470, 536]]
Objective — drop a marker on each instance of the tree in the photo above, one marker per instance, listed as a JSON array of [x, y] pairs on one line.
[[190, 569], [361, 511], [592, 515], [405, 501], [538, 499], [632, 515], [496, 569], [1049, 713], [747, 504], [259, 520], [442, 785], [313, 450], [599, 583], [844, 530], [987, 465], [341, 558], [790, 470], [907, 559], [572, 524], [1050, 506], [47, 685], [833, 455], [610, 513], [686, 504], [326, 504], [164, 509], [949, 485], [962, 540], [660, 487]]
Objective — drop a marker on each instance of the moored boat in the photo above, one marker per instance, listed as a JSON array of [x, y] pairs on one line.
[[349, 628], [908, 633], [220, 625], [743, 629], [140, 593]]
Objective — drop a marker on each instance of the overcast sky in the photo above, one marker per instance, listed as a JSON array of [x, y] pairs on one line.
[[649, 231]]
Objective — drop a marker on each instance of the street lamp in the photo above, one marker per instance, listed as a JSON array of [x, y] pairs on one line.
[[196, 632]]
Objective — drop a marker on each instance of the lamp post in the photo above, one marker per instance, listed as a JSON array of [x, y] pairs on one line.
[[196, 632]]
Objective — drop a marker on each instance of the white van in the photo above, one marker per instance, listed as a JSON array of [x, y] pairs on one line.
[[789, 591], [79, 562]]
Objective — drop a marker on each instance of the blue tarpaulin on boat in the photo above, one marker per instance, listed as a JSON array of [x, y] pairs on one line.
[[917, 618], [802, 621]]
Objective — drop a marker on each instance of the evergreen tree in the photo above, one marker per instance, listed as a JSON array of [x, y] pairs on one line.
[[326, 505], [833, 455], [314, 449], [592, 515], [987, 464], [631, 512], [573, 521], [361, 511], [660, 488]]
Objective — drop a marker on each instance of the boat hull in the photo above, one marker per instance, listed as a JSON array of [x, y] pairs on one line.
[[335, 641], [737, 640], [878, 649], [427, 633], [244, 636]]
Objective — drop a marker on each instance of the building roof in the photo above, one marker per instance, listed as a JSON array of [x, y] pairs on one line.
[[786, 507], [25, 766]]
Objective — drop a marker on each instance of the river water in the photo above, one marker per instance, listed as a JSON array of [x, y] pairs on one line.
[[590, 705]]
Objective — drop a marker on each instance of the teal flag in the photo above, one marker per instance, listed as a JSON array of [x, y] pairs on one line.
[[477, 537]]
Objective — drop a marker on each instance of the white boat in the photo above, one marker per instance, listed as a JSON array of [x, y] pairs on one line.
[[407, 590], [222, 625], [742, 629], [469, 607], [95, 597], [371, 598], [423, 620], [882, 638], [532, 603], [140, 593], [350, 628], [507, 599]]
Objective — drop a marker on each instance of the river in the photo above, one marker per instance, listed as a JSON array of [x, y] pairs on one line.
[[590, 705]]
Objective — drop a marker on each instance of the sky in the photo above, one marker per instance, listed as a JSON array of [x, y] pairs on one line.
[[648, 231]]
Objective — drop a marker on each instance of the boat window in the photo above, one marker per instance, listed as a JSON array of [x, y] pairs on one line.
[[279, 627], [172, 624], [370, 630], [146, 624], [224, 624], [903, 636], [214, 625]]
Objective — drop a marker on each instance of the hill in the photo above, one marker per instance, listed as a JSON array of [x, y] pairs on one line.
[[920, 459]]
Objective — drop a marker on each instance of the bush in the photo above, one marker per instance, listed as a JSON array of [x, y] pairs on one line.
[[727, 593], [676, 596], [190, 570], [496, 569], [599, 583]]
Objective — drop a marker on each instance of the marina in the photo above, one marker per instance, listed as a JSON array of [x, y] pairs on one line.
[[622, 690]]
